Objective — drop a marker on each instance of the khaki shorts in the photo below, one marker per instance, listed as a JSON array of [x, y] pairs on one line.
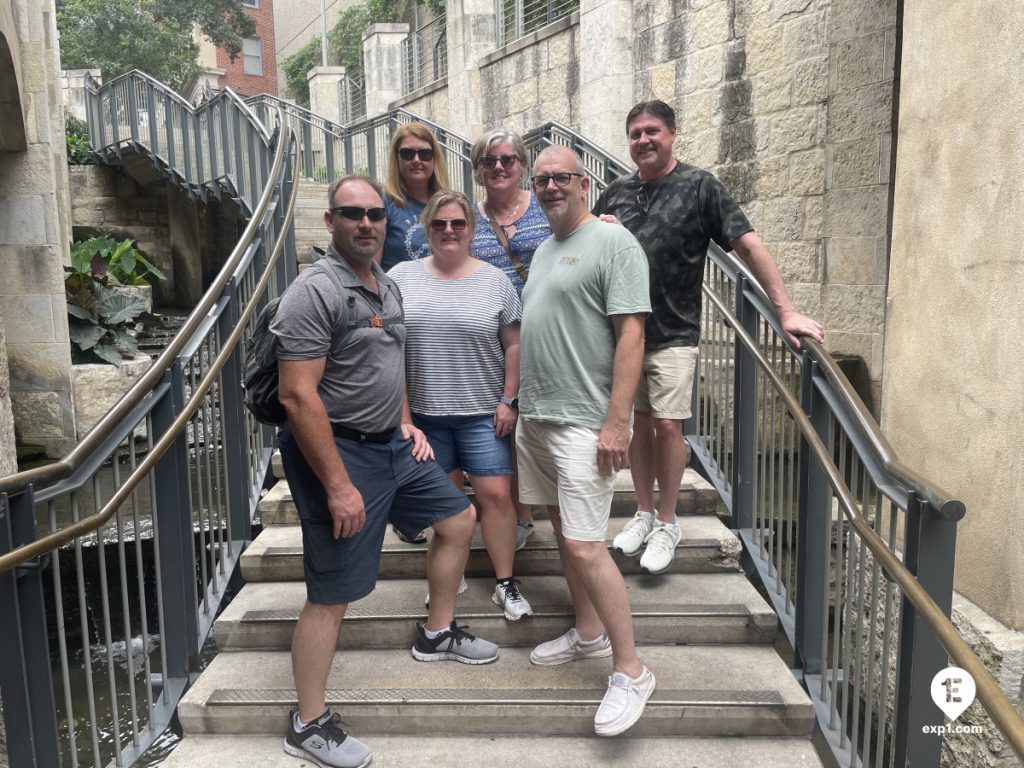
[[666, 383], [558, 466]]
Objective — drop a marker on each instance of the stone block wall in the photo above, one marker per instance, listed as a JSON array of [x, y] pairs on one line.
[[430, 102], [35, 227], [533, 80], [111, 201]]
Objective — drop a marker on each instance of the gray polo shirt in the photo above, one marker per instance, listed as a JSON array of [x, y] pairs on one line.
[[363, 381]]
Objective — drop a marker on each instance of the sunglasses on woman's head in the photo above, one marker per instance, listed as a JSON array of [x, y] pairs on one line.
[[355, 213], [408, 153], [440, 225], [489, 161]]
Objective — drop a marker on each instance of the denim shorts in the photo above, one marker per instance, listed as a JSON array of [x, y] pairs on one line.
[[467, 443], [410, 494]]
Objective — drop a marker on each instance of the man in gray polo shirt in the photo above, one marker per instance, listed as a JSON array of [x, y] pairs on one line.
[[355, 462]]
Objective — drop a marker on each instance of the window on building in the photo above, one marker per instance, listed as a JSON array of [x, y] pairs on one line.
[[251, 3], [252, 56]]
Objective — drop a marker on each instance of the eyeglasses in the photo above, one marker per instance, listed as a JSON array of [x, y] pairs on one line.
[[489, 161], [408, 153], [540, 181], [355, 213], [440, 225], [643, 201]]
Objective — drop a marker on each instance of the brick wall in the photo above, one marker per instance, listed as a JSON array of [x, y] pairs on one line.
[[235, 77]]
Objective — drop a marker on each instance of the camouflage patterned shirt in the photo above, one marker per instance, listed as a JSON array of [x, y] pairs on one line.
[[675, 218]]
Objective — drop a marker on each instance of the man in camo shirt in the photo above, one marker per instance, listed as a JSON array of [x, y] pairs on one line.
[[675, 210]]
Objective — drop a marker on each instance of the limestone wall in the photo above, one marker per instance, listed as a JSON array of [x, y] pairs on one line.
[[111, 201], [954, 378], [534, 80], [430, 102], [35, 229]]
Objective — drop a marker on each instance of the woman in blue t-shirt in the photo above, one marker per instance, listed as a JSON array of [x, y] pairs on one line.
[[416, 170]]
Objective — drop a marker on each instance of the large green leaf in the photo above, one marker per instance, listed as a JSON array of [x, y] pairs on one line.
[[86, 336], [117, 308], [125, 341], [108, 352]]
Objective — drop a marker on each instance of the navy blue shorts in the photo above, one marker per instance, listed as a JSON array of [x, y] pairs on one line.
[[395, 487]]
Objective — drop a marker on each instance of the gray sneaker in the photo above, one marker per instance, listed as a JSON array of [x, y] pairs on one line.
[[326, 744], [524, 529], [570, 647], [508, 597], [453, 644]]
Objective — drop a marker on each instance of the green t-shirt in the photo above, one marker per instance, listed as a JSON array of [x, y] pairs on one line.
[[568, 341]]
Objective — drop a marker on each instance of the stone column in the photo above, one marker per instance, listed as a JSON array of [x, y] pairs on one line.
[[186, 252], [382, 63], [34, 235], [325, 92], [606, 73], [72, 85], [472, 34], [8, 453]]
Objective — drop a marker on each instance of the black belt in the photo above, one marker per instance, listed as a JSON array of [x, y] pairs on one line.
[[340, 430]]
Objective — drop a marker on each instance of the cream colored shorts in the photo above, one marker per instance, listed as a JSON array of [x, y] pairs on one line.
[[666, 382], [558, 466]]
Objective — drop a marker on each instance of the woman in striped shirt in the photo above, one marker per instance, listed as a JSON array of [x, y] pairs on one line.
[[462, 366]]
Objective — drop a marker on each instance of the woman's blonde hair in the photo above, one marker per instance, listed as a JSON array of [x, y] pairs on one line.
[[489, 141], [447, 197], [394, 185]]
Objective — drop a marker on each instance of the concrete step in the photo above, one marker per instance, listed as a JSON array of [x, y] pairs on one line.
[[671, 608], [707, 546], [507, 751], [696, 497], [702, 691]]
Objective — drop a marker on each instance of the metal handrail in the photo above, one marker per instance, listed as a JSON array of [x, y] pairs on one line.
[[52, 473], [884, 456], [996, 703], [59, 470]]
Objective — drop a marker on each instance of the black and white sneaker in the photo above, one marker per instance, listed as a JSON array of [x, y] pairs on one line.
[[453, 644], [326, 744], [508, 597]]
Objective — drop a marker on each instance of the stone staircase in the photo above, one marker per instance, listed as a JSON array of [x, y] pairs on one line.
[[724, 697], [309, 218]]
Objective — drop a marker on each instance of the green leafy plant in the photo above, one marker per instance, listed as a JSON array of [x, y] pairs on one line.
[[101, 316], [119, 262], [77, 136]]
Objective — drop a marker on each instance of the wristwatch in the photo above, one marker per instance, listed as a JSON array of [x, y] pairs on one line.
[[511, 402]]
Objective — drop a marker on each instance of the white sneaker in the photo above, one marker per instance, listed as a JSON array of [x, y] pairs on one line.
[[463, 586], [661, 547], [524, 529], [570, 647], [508, 597], [631, 539], [623, 702]]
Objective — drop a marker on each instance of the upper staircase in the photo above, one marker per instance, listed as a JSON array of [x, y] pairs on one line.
[[724, 696]]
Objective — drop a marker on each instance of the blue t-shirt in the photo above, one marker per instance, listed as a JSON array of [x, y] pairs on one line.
[[406, 238], [531, 230]]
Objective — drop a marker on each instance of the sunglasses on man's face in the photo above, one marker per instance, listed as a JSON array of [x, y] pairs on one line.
[[489, 161], [408, 153], [355, 213], [440, 225], [541, 180]]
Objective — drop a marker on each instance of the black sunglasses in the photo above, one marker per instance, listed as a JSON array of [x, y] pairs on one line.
[[440, 225], [540, 181], [408, 153], [355, 213], [489, 161]]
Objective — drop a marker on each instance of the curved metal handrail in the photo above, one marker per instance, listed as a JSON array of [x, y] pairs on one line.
[[52, 473], [882, 453], [996, 703]]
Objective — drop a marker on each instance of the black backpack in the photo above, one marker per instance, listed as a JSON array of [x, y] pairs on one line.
[[259, 377]]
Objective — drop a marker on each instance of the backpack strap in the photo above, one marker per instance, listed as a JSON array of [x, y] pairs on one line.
[[349, 297]]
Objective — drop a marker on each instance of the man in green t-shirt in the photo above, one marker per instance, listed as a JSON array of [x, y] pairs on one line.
[[581, 347]]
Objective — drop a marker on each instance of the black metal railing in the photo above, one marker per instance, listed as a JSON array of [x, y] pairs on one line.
[[114, 560], [425, 55], [518, 18]]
